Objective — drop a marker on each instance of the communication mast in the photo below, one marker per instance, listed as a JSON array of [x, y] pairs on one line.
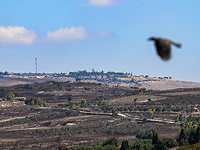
[[35, 65]]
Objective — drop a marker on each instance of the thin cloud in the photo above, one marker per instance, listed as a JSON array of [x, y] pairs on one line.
[[73, 34], [17, 35], [66, 34], [103, 2], [103, 34]]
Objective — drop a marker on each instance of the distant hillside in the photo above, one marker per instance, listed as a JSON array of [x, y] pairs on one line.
[[110, 78], [169, 84]]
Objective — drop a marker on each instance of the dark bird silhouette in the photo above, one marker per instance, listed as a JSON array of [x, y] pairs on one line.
[[163, 47]]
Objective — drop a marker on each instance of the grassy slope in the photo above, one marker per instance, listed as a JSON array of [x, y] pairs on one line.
[[189, 147]]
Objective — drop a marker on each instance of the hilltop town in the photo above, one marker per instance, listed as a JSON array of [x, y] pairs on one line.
[[110, 78]]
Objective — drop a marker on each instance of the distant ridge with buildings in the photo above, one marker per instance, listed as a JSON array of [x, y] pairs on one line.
[[109, 78]]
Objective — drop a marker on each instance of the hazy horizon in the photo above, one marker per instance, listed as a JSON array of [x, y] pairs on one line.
[[109, 35]]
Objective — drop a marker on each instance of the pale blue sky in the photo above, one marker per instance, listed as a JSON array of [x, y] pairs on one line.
[[110, 35]]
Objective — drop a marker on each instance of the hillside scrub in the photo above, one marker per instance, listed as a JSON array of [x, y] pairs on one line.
[[35, 101], [113, 144]]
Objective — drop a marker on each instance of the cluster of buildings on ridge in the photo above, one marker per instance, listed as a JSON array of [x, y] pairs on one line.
[[102, 76]]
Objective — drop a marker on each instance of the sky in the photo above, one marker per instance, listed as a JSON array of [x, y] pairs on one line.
[[109, 35]]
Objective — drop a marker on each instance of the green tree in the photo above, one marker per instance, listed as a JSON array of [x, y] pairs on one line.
[[35, 101], [160, 145], [142, 145], [170, 142], [198, 134], [40, 101], [71, 104], [146, 135], [176, 118], [125, 145], [45, 104], [180, 117], [150, 112], [192, 137], [69, 98], [111, 141], [28, 86], [114, 111], [135, 101], [83, 102], [9, 96], [141, 116], [181, 138], [198, 148], [155, 138]]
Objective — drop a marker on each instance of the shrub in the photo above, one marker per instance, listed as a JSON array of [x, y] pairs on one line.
[[35, 101], [145, 135], [125, 145], [111, 141], [170, 142], [28, 86], [160, 145], [142, 144]]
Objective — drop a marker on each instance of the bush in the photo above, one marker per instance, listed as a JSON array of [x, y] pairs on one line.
[[146, 135], [158, 109], [111, 141], [35, 101], [198, 148], [160, 145], [28, 86], [142, 144], [181, 138], [170, 142], [9, 96], [125, 145], [69, 98]]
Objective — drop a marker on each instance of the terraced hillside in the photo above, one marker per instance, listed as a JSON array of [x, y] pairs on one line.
[[98, 112]]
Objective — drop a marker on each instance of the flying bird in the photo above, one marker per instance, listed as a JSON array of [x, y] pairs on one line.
[[163, 47]]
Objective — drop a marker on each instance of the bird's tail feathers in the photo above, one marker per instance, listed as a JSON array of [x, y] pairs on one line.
[[177, 44]]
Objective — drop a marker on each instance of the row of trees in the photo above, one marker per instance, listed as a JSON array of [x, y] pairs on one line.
[[154, 144], [189, 136], [147, 108], [185, 137], [36, 101]]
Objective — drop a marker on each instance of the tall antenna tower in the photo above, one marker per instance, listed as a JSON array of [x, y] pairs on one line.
[[35, 65]]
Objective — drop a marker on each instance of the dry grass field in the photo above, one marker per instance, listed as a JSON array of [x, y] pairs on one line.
[[35, 127]]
